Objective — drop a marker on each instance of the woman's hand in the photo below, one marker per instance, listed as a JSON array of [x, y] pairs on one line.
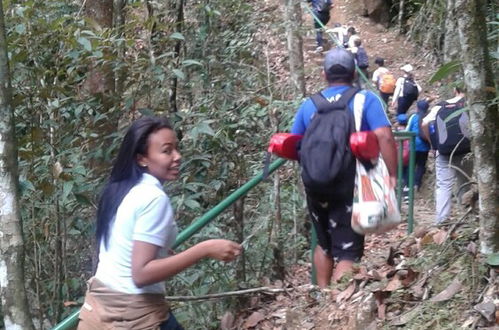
[[222, 249]]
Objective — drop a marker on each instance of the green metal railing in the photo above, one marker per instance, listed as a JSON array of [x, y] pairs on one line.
[[72, 320]]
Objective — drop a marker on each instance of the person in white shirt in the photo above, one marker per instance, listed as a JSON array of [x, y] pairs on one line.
[[449, 169], [135, 232], [377, 74], [340, 33], [406, 90]]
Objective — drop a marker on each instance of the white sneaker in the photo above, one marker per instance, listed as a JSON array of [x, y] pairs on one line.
[[319, 49]]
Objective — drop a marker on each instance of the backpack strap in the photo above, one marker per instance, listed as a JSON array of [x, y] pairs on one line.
[[323, 105]]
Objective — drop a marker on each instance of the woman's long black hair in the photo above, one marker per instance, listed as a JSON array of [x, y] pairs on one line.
[[126, 171]]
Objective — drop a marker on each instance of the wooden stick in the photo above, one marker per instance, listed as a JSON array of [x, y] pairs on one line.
[[263, 289]]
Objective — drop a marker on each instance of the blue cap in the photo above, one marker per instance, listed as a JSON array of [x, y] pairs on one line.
[[402, 118], [422, 105], [341, 59]]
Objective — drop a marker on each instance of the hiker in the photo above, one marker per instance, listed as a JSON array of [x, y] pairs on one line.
[[340, 34], [383, 80], [331, 213], [361, 59], [449, 136], [421, 145], [321, 9], [135, 232], [351, 37], [406, 90]]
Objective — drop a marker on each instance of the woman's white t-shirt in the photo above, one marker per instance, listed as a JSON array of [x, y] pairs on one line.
[[145, 215]]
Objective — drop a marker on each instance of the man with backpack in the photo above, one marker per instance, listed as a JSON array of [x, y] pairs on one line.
[[383, 79], [406, 90], [361, 59], [446, 127], [321, 9], [328, 167]]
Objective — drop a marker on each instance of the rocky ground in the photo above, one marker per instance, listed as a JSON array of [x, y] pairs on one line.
[[431, 279]]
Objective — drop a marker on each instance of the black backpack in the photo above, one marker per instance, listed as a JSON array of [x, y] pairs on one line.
[[411, 91], [448, 133], [327, 163], [323, 6], [361, 57]]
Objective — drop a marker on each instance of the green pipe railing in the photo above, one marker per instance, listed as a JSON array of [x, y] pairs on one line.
[[72, 320]]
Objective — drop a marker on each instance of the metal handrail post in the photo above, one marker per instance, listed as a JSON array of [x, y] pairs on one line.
[[412, 161], [400, 169]]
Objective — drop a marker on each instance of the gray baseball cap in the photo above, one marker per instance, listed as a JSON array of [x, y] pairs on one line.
[[339, 61]]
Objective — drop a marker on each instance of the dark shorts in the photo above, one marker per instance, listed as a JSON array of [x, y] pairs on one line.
[[332, 223], [171, 324]]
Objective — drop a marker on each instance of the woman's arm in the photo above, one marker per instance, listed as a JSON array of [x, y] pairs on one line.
[[146, 269]]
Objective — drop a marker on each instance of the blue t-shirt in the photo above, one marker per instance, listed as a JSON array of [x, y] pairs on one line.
[[413, 126], [373, 116]]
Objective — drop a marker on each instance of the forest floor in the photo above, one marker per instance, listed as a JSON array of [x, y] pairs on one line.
[[431, 279]]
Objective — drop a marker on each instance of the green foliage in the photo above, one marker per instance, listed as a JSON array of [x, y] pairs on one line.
[[446, 70]]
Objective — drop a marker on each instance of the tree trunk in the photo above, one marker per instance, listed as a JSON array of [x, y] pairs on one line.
[[178, 28], [15, 308], [295, 46], [238, 210], [100, 79], [400, 18], [451, 47], [483, 116]]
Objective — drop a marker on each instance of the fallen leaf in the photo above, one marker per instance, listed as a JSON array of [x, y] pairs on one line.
[[406, 317], [468, 322], [420, 231], [440, 237], [394, 284], [227, 321], [409, 277], [487, 310], [347, 293], [449, 292], [471, 248], [374, 275], [380, 303], [417, 289], [426, 239], [70, 303], [253, 320], [407, 251]]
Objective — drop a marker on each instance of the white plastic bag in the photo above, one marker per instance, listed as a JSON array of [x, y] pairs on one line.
[[375, 207]]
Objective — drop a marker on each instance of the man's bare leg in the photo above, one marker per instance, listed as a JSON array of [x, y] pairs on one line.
[[323, 266], [342, 267]]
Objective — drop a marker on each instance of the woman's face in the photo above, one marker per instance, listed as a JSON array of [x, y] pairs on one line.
[[163, 158]]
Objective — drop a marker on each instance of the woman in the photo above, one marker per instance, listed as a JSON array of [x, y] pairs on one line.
[[406, 90], [135, 231]]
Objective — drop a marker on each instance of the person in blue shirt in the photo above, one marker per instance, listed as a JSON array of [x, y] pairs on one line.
[[338, 243], [422, 147]]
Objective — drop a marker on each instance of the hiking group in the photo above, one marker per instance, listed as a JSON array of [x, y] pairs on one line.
[[327, 166]]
